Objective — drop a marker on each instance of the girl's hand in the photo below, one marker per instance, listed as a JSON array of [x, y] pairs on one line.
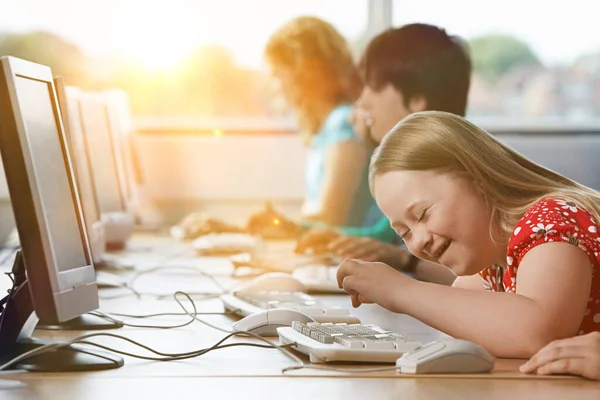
[[316, 241], [372, 282], [579, 355]]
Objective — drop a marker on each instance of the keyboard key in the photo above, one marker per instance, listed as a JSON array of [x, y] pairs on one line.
[[376, 344], [351, 342]]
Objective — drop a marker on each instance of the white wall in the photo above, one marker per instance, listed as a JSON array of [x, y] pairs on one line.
[[229, 176]]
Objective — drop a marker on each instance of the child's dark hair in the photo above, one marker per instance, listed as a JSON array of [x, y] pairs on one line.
[[420, 60]]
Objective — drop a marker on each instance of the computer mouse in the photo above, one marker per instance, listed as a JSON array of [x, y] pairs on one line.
[[452, 356], [271, 224], [265, 323], [272, 281]]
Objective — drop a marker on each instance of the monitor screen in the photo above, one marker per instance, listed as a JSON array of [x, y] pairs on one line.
[[56, 193], [101, 154]]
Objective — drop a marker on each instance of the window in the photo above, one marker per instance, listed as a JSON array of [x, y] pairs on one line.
[[179, 60], [533, 60]]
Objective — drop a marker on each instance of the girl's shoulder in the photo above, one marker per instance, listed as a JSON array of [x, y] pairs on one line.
[[337, 126], [554, 220]]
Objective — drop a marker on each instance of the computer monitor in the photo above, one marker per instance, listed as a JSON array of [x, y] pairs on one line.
[[107, 170], [146, 214], [120, 128], [54, 274], [72, 126]]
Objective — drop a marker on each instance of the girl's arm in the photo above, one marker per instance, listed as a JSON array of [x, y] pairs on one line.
[[343, 173], [554, 281], [472, 282]]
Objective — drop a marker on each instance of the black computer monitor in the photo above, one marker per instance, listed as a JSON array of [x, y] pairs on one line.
[[107, 170], [72, 126], [54, 274]]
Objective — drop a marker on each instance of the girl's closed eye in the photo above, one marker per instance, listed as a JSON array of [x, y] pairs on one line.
[[422, 215]]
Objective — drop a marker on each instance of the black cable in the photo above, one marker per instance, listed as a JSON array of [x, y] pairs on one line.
[[165, 314], [192, 316], [109, 318], [173, 267], [164, 356], [197, 295], [171, 356]]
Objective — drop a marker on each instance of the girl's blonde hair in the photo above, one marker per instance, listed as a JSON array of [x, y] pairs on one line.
[[510, 183], [321, 65]]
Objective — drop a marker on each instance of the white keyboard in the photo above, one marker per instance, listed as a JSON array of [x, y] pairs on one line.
[[326, 342], [318, 278], [226, 243], [246, 303]]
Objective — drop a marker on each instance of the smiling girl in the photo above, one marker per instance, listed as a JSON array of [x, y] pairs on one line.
[[522, 240]]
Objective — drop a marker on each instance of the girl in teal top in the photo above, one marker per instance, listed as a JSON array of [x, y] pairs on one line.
[[318, 78]]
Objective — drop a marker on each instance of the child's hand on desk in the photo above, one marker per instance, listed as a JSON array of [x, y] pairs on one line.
[[316, 241], [579, 355], [371, 282]]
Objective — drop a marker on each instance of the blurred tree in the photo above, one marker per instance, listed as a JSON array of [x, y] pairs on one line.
[[494, 55], [45, 48]]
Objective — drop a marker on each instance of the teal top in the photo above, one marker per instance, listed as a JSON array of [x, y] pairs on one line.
[[364, 217]]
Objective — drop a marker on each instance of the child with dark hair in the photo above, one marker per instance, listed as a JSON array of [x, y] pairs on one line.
[[413, 68]]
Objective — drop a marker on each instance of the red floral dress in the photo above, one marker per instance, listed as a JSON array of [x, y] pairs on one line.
[[551, 220]]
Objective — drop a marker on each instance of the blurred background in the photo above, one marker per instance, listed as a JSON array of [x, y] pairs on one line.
[[203, 59], [201, 96]]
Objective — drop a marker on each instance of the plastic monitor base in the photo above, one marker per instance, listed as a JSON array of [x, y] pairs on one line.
[[17, 320], [85, 322], [69, 358]]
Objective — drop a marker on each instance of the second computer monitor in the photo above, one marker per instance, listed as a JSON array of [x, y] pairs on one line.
[[120, 127], [67, 98], [107, 171]]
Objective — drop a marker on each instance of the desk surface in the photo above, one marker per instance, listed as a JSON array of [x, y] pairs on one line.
[[246, 371]]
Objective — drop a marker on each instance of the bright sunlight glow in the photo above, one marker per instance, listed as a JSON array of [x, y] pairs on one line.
[[158, 40]]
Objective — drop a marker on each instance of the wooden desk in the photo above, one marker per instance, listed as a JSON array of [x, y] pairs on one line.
[[246, 372]]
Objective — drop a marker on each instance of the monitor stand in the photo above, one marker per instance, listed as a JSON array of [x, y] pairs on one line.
[[17, 322], [85, 322]]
